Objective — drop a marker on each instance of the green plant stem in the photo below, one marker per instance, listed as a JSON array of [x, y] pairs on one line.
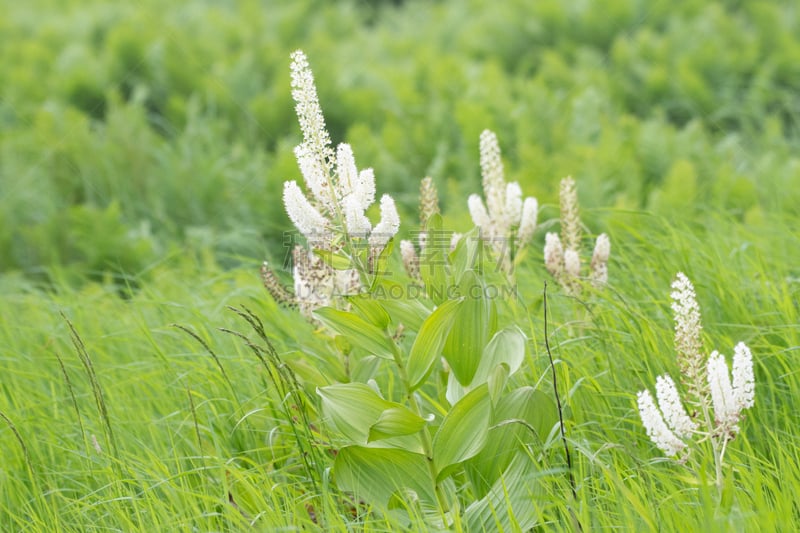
[[427, 441], [570, 475]]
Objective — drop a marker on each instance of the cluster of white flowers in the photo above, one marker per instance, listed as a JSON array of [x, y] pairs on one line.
[[340, 195], [669, 426], [508, 216], [562, 255]]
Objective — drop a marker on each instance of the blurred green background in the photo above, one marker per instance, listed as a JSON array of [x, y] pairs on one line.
[[131, 132]]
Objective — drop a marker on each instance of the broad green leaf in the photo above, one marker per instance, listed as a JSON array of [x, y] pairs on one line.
[[470, 331], [427, 346], [508, 347], [403, 303], [455, 390], [395, 422], [375, 474], [334, 260], [371, 310], [379, 264], [433, 270], [354, 409], [466, 252], [463, 431], [365, 368], [507, 505], [533, 406], [497, 381], [525, 415], [357, 330]]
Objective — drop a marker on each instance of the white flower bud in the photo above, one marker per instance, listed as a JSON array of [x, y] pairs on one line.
[[553, 254], [743, 379], [527, 222], [654, 424], [347, 173], [357, 223], [302, 214], [388, 225], [492, 175], [572, 263], [478, 212], [513, 207], [726, 412], [670, 404]]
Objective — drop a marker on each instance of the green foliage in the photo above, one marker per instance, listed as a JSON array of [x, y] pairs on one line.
[[182, 113], [142, 151]]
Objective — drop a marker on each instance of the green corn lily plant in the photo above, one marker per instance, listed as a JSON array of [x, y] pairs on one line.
[[440, 402]]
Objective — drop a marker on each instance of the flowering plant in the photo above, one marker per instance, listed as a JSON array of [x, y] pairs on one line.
[[450, 408], [562, 254], [716, 402]]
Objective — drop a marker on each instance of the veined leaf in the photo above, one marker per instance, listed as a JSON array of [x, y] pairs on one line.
[[428, 344], [334, 260], [362, 416], [358, 331], [394, 422], [533, 406], [402, 303], [507, 505], [525, 415], [371, 310], [471, 329], [352, 408], [500, 359], [466, 252], [365, 368], [463, 431], [507, 346], [455, 390], [379, 263], [375, 474], [497, 381]]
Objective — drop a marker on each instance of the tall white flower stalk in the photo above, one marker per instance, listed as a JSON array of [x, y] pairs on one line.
[[562, 256], [331, 213], [716, 402], [428, 206], [506, 221]]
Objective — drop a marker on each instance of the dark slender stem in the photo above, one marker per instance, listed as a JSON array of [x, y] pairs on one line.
[[558, 402]]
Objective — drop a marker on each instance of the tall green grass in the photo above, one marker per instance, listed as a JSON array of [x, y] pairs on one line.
[[203, 441]]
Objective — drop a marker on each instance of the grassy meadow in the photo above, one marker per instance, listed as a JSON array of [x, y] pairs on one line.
[[143, 150]]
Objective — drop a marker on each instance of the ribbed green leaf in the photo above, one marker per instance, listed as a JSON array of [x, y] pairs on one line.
[[334, 260], [463, 431], [395, 422], [497, 381], [375, 474], [525, 405], [427, 346], [352, 409], [403, 303], [371, 310], [466, 252], [357, 330], [507, 346], [471, 329], [362, 417], [507, 505]]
